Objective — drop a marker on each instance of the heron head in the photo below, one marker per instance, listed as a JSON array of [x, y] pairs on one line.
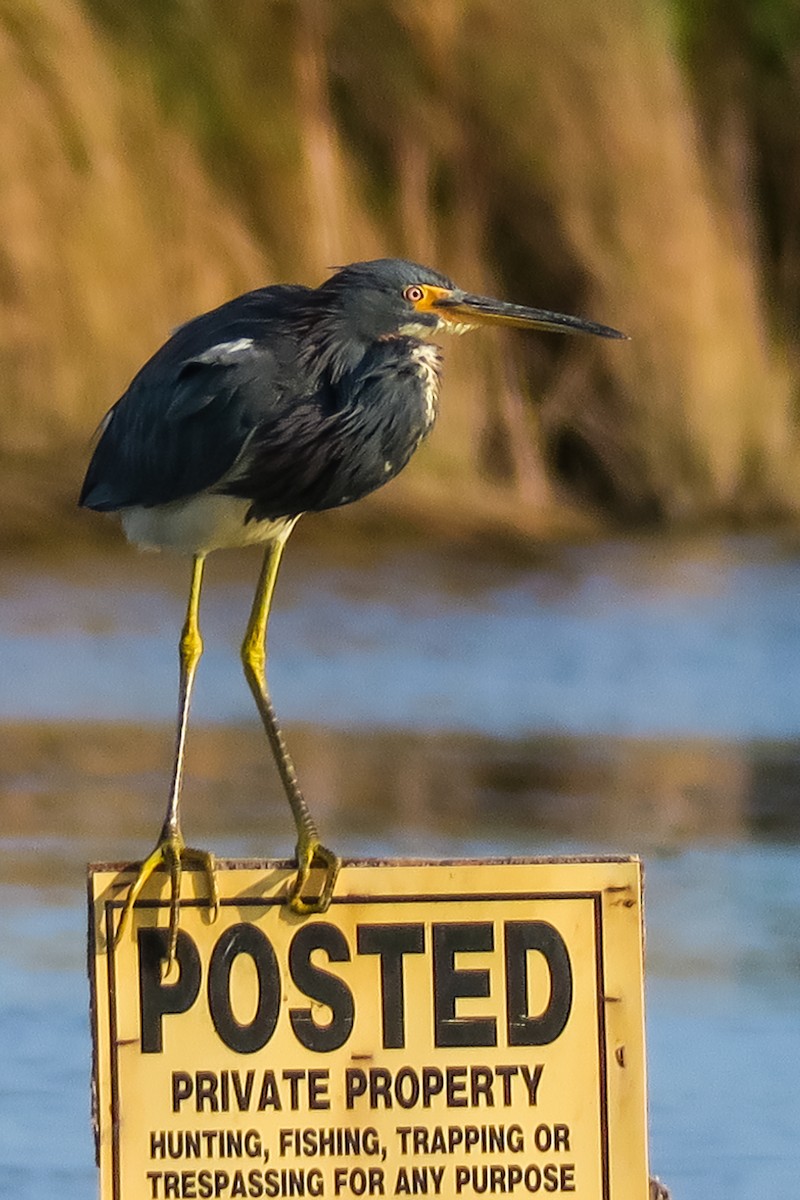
[[388, 296]]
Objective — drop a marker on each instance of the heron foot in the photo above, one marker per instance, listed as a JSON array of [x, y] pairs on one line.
[[312, 854], [172, 854]]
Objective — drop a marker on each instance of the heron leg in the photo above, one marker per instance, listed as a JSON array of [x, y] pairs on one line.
[[171, 852], [310, 851]]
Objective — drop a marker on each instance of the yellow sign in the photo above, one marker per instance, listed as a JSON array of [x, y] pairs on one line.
[[454, 1029]]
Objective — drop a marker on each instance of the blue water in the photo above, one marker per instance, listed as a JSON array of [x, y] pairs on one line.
[[635, 638], [724, 1021]]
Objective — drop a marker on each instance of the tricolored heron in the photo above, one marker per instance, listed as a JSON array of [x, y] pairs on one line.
[[283, 401]]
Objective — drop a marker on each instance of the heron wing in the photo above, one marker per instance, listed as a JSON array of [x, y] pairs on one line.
[[186, 416]]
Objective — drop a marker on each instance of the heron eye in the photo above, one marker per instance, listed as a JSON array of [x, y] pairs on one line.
[[414, 293]]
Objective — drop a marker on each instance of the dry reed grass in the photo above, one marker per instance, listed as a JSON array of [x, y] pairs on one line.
[[155, 160]]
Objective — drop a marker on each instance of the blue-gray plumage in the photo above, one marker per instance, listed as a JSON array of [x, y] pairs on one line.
[[283, 401], [238, 388]]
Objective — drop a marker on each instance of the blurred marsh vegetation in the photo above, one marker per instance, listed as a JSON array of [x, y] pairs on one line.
[[636, 161]]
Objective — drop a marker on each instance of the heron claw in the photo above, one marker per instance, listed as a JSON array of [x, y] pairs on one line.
[[309, 855], [171, 853]]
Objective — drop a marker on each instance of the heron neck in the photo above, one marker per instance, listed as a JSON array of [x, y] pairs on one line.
[[329, 344]]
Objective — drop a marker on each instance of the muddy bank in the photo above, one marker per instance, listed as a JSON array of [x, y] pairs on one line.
[[105, 786]]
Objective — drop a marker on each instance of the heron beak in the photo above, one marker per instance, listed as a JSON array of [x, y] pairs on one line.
[[461, 308]]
